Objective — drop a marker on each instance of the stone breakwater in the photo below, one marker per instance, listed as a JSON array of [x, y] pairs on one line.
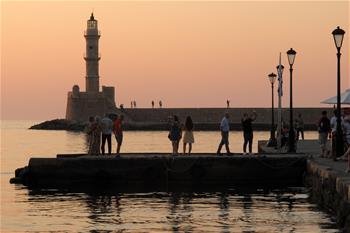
[[161, 171], [204, 118]]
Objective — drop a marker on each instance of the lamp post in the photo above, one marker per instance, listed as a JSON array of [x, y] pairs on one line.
[[338, 35], [291, 57], [272, 141]]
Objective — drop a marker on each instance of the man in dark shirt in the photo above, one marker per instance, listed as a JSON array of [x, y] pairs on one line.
[[248, 131]]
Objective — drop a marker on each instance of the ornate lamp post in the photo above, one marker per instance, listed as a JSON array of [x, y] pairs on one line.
[[338, 35], [291, 57], [272, 141]]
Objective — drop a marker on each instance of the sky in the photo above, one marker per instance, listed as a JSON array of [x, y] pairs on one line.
[[185, 53]]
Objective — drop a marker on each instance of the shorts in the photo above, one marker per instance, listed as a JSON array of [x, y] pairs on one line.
[[119, 138], [323, 139], [224, 138]]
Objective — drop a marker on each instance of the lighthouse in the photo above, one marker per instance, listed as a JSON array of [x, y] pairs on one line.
[[92, 57], [93, 101]]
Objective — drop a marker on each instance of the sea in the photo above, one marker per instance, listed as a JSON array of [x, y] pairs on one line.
[[230, 210]]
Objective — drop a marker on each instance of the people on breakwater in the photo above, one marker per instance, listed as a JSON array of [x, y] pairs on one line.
[[299, 126], [324, 130], [225, 129], [248, 131], [175, 134], [188, 135], [94, 133], [118, 133], [107, 128]]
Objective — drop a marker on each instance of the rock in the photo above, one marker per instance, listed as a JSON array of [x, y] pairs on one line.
[[60, 124]]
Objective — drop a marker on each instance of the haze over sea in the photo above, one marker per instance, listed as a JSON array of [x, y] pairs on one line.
[[234, 210]]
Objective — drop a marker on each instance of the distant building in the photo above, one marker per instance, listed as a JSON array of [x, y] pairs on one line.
[[92, 102]]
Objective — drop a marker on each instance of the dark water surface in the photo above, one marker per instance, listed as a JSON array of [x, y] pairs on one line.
[[235, 210]]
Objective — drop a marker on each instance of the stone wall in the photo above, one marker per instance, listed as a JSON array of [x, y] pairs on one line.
[[214, 115], [82, 105], [331, 190]]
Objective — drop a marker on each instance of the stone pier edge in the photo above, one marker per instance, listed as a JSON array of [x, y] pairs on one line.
[[331, 191]]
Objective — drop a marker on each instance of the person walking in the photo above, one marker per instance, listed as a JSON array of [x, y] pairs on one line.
[[225, 129], [228, 103], [160, 104], [175, 134], [107, 128], [152, 104], [188, 135], [333, 123], [118, 133], [248, 131], [324, 129], [94, 133], [299, 125]]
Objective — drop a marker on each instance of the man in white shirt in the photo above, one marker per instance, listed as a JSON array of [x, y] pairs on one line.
[[107, 128], [225, 129]]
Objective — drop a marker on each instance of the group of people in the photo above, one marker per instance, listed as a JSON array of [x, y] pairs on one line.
[[327, 128], [177, 130], [100, 130]]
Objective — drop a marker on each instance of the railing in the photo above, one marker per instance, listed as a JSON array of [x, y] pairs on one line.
[[87, 34]]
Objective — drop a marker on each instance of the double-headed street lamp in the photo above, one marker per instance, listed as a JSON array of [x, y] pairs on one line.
[[291, 57], [338, 35], [272, 141]]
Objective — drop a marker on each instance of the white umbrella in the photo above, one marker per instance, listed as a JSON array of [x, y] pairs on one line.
[[344, 98]]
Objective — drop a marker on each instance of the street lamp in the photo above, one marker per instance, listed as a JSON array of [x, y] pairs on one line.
[[291, 57], [272, 141], [338, 35]]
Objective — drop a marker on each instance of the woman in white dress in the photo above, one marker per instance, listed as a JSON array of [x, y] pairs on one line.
[[188, 135]]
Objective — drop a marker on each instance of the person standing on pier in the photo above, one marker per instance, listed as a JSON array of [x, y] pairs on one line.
[[225, 129], [118, 132], [107, 128], [228, 103], [299, 125], [188, 135], [94, 132], [324, 129], [175, 134], [152, 104], [248, 131]]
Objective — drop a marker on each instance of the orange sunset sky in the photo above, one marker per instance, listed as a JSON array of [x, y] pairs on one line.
[[188, 54]]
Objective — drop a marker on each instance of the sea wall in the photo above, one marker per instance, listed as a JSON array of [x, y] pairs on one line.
[[214, 115], [331, 190]]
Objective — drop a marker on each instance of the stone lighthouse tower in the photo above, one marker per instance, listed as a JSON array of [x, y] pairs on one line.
[[92, 102], [92, 57]]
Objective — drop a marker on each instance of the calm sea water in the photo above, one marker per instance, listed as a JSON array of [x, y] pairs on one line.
[[24, 210]]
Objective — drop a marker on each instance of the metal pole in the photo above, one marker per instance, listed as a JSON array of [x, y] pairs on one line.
[[272, 142], [339, 133], [291, 127], [273, 118]]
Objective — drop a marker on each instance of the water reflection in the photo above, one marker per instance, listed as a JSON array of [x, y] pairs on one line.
[[180, 212]]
